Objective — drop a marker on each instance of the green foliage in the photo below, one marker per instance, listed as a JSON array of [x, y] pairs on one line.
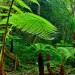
[[3, 14], [36, 25], [0, 44], [19, 2], [33, 24], [14, 7], [63, 44], [17, 9], [4, 7], [22, 4], [57, 54], [34, 1], [66, 52], [25, 54], [53, 11], [72, 22], [39, 46]]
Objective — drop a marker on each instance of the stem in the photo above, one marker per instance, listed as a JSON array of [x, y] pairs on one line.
[[4, 38], [11, 50]]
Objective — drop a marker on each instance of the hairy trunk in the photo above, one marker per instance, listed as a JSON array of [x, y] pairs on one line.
[[48, 65], [40, 64], [62, 72], [11, 50]]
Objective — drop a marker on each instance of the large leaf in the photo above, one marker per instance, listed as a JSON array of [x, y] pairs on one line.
[[3, 14], [1, 44], [20, 3], [39, 46], [14, 7], [2, 31], [72, 22], [33, 24], [4, 7], [17, 9], [34, 1], [23, 4], [66, 52]]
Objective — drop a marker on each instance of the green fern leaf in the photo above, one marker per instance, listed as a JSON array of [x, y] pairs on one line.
[[17, 9], [4, 7], [66, 51], [23, 4], [1, 44], [2, 31], [34, 1], [33, 24], [3, 14], [14, 7]]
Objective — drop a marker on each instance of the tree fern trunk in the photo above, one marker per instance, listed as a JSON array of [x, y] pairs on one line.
[[62, 72], [11, 50], [1, 71], [48, 65], [40, 64]]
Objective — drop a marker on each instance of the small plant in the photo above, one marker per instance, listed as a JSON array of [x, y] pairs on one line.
[[63, 44]]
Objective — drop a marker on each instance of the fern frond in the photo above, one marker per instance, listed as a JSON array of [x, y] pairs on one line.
[[17, 9], [14, 7], [66, 51], [34, 1], [4, 7], [23, 4], [2, 31], [3, 14], [33, 24], [1, 45]]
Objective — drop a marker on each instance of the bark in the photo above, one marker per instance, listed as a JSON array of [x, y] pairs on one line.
[[12, 56], [40, 64], [62, 72], [48, 65], [11, 50]]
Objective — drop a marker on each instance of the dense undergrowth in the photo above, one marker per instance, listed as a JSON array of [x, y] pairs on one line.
[[37, 26], [28, 56]]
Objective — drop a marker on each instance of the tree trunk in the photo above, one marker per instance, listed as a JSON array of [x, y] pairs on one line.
[[48, 65], [40, 64], [11, 50], [62, 72]]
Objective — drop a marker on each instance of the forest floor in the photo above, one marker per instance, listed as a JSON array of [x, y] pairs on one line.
[[30, 74], [13, 73], [20, 73]]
